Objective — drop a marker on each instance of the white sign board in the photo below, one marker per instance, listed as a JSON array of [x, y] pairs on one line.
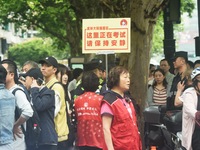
[[107, 34]]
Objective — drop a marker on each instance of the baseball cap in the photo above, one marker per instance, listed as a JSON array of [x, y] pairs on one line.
[[35, 73], [182, 54], [50, 61]]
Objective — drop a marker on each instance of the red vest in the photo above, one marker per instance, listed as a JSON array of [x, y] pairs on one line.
[[124, 130], [89, 127]]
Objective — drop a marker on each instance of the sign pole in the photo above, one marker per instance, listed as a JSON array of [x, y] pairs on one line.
[[106, 59]]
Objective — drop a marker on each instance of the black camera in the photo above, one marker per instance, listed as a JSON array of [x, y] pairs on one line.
[[22, 77]]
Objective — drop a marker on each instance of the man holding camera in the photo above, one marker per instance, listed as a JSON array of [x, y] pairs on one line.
[[43, 100]]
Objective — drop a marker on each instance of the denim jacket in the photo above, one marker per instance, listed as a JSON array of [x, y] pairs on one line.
[[7, 113]]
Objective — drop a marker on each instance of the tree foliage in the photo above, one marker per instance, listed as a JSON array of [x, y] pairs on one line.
[[62, 19], [35, 49], [158, 36]]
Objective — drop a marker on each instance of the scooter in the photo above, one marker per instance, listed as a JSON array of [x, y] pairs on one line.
[[162, 128]]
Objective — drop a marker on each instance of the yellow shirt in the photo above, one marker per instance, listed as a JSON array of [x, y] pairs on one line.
[[61, 118]]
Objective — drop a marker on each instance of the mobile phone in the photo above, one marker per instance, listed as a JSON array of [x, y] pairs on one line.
[[39, 81], [22, 78], [184, 80]]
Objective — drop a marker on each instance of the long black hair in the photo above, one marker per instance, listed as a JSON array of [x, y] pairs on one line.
[[195, 85], [164, 81], [64, 70]]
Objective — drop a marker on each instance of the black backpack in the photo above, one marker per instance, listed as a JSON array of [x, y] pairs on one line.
[[32, 132]]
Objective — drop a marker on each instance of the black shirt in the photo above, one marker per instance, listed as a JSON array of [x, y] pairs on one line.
[[173, 90]]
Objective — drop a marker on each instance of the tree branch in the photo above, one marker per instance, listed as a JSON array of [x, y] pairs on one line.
[[151, 12], [105, 3]]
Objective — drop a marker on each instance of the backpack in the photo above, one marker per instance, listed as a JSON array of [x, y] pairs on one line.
[[32, 132]]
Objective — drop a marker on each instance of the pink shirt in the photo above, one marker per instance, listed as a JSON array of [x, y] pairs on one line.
[[105, 108]]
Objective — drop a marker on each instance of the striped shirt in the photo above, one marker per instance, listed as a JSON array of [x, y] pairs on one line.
[[160, 96]]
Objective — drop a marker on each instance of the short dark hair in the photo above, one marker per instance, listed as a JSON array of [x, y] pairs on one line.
[[12, 68], [151, 66], [90, 81], [114, 76], [165, 60], [3, 74]]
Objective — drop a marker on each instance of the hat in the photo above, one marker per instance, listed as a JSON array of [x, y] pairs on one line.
[[35, 73], [195, 72], [89, 66], [49, 60], [181, 54], [101, 66]]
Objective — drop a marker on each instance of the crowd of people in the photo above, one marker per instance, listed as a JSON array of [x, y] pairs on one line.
[[78, 109], [82, 113], [179, 91]]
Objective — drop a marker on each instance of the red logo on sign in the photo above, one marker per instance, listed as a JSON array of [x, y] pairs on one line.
[[123, 22]]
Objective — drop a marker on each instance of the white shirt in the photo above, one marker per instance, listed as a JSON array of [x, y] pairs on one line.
[[26, 111], [189, 98], [72, 85]]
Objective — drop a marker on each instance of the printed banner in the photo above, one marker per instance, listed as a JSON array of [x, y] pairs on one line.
[[110, 34]]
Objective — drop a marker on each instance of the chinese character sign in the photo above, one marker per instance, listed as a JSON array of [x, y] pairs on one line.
[[111, 34]]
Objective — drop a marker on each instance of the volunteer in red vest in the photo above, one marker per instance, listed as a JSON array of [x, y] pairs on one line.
[[118, 113], [87, 110]]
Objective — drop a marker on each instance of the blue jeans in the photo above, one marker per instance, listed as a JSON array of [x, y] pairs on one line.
[[6, 147]]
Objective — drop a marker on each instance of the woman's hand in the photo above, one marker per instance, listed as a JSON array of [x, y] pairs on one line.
[[180, 86]]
